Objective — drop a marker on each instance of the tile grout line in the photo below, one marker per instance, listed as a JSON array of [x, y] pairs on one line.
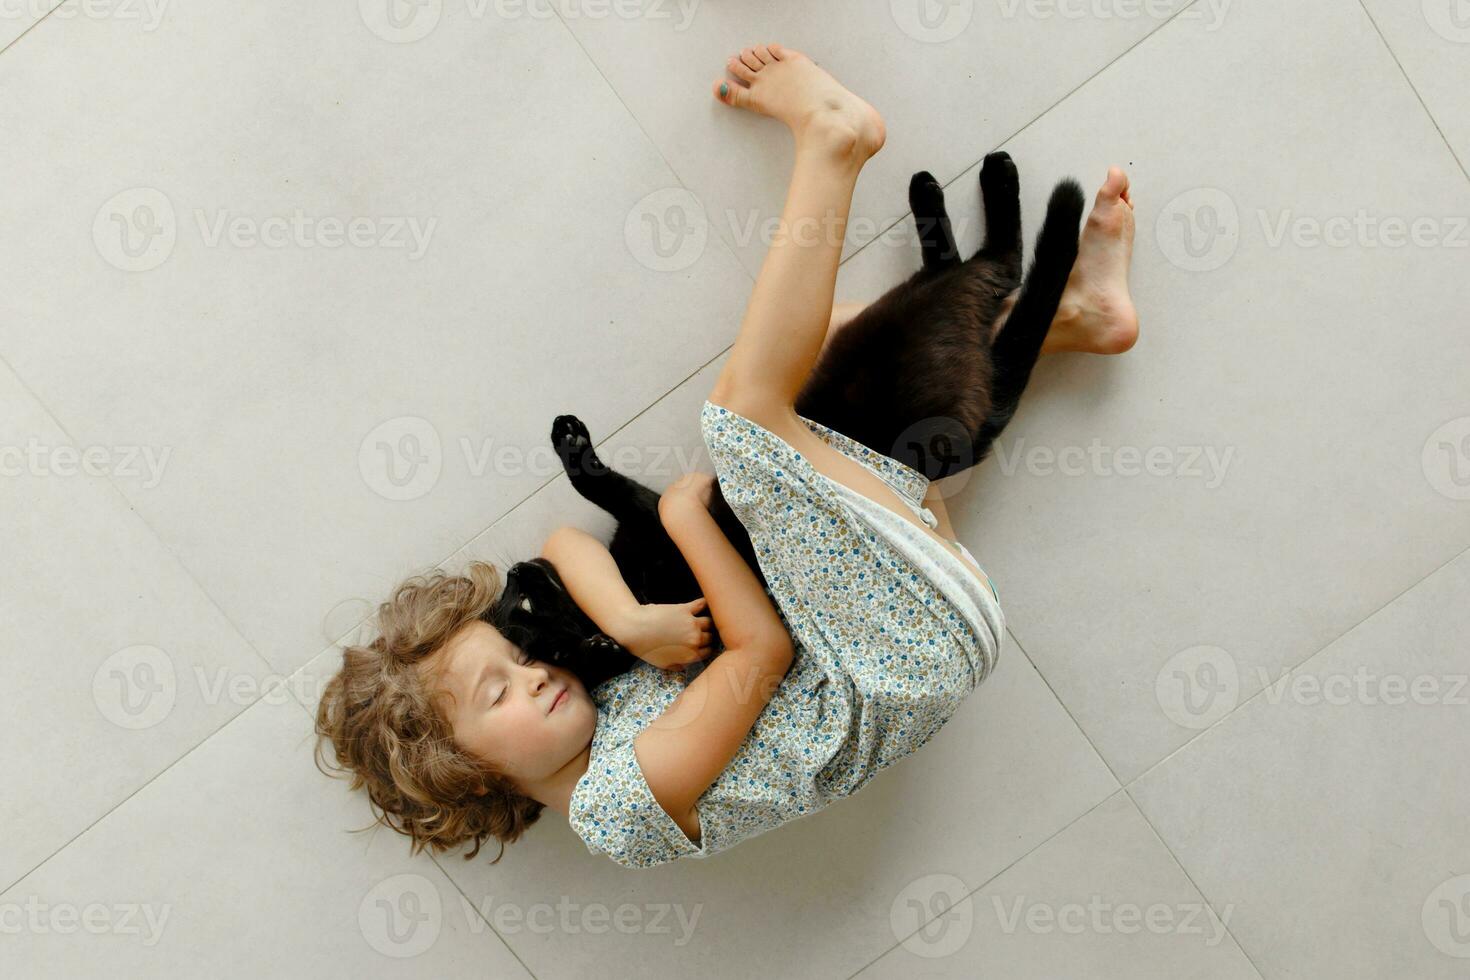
[[188, 572], [148, 782], [1133, 783], [112, 483], [1031, 122], [1300, 664], [1195, 885], [1413, 88], [969, 896], [1071, 717], [479, 915], [32, 27]]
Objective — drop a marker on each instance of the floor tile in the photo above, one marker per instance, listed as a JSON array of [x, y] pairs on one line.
[[1102, 899], [952, 81], [1281, 453], [236, 862], [115, 664], [1330, 809], [357, 276]]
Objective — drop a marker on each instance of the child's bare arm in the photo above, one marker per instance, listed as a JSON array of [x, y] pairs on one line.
[[665, 635], [688, 746], [592, 578]]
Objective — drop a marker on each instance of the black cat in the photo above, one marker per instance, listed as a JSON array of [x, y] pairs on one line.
[[915, 376]]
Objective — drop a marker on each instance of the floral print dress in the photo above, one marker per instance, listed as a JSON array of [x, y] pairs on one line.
[[886, 649]]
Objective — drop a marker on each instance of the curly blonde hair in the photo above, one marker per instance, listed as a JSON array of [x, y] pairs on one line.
[[380, 712]]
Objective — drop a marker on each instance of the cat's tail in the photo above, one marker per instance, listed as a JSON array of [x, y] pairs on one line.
[[1015, 350]]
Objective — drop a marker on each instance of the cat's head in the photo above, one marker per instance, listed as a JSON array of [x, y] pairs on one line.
[[537, 613]]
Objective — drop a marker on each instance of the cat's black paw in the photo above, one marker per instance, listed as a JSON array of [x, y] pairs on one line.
[[998, 175], [602, 645], [573, 444], [926, 196], [569, 432]]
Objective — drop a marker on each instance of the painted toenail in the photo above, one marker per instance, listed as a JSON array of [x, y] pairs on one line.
[[724, 90]]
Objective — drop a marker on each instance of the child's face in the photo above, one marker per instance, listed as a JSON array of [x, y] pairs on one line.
[[510, 710]]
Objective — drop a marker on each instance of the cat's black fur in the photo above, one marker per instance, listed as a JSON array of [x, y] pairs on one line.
[[915, 376]]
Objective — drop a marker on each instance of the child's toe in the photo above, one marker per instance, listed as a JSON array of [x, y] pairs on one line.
[[732, 93], [740, 69]]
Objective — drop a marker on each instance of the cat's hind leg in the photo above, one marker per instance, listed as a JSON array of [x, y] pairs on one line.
[[936, 237], [1019, 342], [1000, 190]]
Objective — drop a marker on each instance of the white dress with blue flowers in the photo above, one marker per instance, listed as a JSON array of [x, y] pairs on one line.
[[891, 631]]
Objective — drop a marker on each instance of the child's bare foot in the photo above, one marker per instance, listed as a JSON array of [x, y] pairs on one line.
[[1097, 315], [787, 85]]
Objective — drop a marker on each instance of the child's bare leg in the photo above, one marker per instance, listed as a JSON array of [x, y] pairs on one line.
[[790, 307]]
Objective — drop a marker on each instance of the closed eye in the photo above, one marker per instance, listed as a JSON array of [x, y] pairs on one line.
[[522, 658]]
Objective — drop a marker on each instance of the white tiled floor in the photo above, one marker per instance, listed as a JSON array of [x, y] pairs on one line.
[[1229, 736]]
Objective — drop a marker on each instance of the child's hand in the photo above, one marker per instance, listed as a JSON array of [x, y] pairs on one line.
[[670, 635]]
